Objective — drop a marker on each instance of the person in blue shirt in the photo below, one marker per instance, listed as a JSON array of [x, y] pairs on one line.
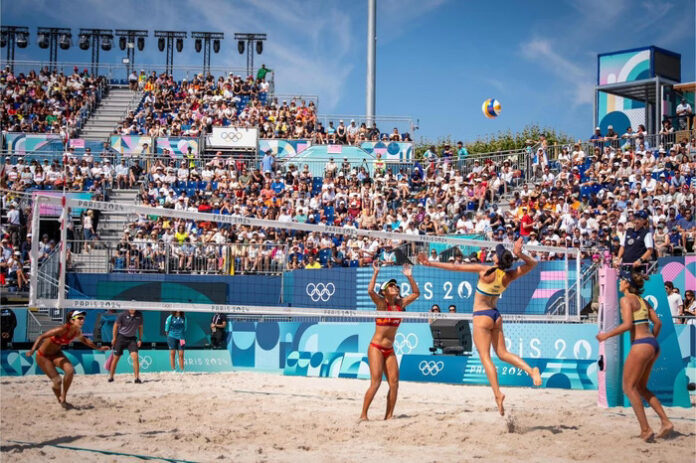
[[267, 161], [175, 329], [278, 186], [107, 321]]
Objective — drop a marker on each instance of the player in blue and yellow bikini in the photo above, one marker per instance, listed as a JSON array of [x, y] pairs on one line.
[[636, 316], [488, 323]]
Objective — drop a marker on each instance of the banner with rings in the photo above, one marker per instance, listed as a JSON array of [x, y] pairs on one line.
[[233, 137]]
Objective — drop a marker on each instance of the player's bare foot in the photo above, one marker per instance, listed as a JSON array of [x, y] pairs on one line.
[[648, 436], [665, 430], [499, 401], [388, 417], [536, 376], [363, 418]]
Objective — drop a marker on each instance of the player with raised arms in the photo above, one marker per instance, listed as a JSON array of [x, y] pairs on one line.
[[49, 354], [488, 323], [636, 315], [380, 353]]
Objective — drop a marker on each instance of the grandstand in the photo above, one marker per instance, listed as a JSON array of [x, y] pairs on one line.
[[211, 193]]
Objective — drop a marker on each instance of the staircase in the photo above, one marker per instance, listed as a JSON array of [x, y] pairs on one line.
[[111, 112], [110, 230]]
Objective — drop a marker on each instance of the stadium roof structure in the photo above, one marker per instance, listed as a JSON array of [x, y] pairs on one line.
[[643, 74]]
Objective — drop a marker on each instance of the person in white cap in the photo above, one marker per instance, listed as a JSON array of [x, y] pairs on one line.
[[50, 355], [353, 133]]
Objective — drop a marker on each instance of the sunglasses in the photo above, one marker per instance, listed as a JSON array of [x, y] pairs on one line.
[[78, 318]]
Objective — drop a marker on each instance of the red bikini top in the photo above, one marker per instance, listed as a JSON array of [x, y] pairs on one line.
[[390, 321], [63, 340]]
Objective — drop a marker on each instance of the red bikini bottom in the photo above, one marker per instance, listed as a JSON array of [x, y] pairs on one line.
[[386, 351]]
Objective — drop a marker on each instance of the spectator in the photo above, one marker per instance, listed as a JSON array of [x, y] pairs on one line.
[[311, 263], [689, 307], [685, 114], [218, 329], [9, 323], [452, 308], [676, 304]]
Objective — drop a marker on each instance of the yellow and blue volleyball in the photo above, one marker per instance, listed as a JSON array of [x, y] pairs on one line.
[[491, 108]]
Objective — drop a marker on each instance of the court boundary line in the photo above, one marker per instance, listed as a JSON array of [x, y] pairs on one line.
[[105, 452]]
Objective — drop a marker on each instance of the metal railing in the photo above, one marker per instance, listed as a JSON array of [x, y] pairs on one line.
[[386, 124], [174, 258], [650, 142]]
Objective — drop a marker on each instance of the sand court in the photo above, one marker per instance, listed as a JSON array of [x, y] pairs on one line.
[[249, 416]]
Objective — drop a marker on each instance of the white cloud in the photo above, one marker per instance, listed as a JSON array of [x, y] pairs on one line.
[[308, 48], [580, 78]]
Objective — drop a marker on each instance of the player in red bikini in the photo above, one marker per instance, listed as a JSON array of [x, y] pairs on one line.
[[49, 354], [380, 353]]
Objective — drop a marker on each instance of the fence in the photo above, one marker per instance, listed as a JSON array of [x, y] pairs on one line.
[[648, 142], [174, 258]]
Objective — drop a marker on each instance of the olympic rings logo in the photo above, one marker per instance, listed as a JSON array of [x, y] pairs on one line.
[[143, 361], [405, 344], [431, 367], [320, 291], [231, 136]]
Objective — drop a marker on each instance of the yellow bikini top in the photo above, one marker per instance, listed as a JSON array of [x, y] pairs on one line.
[[495, 287], [641, 315]]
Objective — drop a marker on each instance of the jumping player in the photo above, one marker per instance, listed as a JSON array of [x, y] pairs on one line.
[[49, 354], [636, 315], [380, 353], [488, 323]]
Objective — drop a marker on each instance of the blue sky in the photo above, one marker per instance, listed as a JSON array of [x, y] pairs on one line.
[[437, 60]]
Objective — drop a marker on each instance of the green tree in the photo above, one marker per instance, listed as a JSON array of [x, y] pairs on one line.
[[500, 141]]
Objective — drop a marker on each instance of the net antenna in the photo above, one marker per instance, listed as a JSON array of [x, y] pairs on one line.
[[50, 290]]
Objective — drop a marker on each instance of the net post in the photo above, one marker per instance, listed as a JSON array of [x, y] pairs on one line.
[[578, 280], [63, 253], [567, 290], [34, 252]]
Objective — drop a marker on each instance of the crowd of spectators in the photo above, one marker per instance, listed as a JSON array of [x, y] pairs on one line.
[[192, 107], [48, 101], [586, 201]]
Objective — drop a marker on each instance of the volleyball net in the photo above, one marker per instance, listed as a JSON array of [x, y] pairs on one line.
[[249, 268]]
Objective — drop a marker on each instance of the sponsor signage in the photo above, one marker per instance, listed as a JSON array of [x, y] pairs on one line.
[[233, 137]]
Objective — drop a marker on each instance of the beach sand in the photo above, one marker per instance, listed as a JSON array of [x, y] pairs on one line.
[[249, 416]]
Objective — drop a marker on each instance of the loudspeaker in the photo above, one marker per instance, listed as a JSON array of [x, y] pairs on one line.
[[452, 336]]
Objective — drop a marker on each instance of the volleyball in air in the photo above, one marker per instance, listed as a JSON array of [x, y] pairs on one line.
[[491, 108]]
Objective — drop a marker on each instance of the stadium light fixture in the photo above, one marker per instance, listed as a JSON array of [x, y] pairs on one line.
[[96, 39], [65, 41], [84, 42], [128, 37], [250, 41], [54, 38], [203, 40], [11, 36], [23, 39], [169, 38]]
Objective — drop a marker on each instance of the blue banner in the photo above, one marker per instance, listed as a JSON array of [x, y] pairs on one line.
[[324, 288], [91, 362], [564, 374]]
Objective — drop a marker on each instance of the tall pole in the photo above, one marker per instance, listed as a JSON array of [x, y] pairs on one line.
[[371, 59]]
